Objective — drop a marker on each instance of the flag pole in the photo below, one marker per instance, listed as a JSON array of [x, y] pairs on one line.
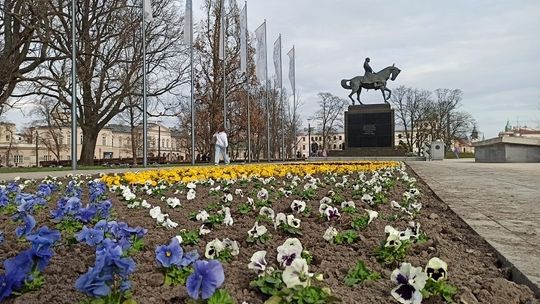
[[294, 103], [145, 106], [223, 39], [192, 83], [73, 87], [281, 101], [267, 98], [247, 93]]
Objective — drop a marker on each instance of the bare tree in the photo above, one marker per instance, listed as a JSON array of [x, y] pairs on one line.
[[109, 60], [23, 25], [51, 120], [409, 105], [329, 116]]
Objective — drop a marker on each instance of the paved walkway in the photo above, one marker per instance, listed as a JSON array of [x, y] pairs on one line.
[[501, 202]]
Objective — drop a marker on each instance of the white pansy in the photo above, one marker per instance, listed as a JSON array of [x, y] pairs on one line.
[[280, 218], [292, 221], [191, 194], [239, 192], [228, 220], [332, 213], [367, 198], [348, 204], [169, 224], [257, 231], [250, 201], [258, 261], [296, 274], [330, 234], [202, 216], [232, 246], [173, 202], [213, 248], [145, 204], [203, 230], [262, 194], [325, 200], [191, 185], [411, 280], [322, 208], [268, 212], [155, 212], [298, 206], [289, 251], [227, 198], [436, 269], [395, 205], [372, 215]]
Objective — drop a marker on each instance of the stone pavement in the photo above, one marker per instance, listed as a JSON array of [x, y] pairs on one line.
[[500, 201]]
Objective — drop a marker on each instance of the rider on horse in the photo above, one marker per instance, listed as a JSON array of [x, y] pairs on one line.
[[369, 76]]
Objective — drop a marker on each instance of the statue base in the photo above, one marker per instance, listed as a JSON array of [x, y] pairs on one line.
[[369, 131]]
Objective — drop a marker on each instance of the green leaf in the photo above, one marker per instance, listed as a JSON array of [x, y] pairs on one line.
[[221, 296], [359, 274]]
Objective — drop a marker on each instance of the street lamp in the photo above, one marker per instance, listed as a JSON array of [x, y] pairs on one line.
[[37, 148], [309, 137]]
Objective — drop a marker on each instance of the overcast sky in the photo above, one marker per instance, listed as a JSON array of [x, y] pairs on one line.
[[488, 49]]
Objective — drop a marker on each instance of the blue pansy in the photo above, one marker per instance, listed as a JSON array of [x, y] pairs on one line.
[[90, 236], [1, 237], [189, 258], [42, 241], [4, 199], [28, 224], [207, 277], [168, 255], [94, 283], [85, 215]]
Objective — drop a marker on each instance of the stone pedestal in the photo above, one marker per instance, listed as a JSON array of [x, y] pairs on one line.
[[369, 131], [369, 126]]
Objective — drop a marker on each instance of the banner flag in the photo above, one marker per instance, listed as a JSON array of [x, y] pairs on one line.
[[260, 35]]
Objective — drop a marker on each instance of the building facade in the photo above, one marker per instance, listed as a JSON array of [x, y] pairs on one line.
[[114, 142]]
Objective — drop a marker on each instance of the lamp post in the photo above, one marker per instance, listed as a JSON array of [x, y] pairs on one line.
[[37, 148], [309, 137]]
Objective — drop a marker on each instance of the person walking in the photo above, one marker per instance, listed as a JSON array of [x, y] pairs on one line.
[[221, 143]]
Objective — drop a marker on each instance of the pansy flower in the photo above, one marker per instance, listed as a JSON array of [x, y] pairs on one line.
[[322, 208], [262, 194], [289, 251], [281, 218], [292, 221], [257, 231], [367, 198], [298, 206], [268, 212], [202, 216], [213, 248], [296, 274], [204, 229], [330, 234], [206, 278], [372, 215], [173, 202], [191, 194], [411, 280], [168, 255], [436, 269], [258, 261], [348, 204], [332, 213]]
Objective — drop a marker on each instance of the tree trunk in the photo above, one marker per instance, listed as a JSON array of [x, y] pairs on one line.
[[90, 136]]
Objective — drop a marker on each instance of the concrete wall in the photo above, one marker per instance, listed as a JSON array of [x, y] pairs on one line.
[[507, 153]]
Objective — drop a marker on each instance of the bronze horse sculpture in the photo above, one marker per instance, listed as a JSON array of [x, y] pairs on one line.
[[376, 81]]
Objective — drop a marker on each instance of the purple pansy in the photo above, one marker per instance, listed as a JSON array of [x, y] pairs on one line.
[[207, 277]]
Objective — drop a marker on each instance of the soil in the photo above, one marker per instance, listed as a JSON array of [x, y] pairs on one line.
[[472, 263]]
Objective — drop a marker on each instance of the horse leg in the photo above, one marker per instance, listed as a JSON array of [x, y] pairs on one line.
[[350, 96], [358, 95], [389, 92], [383, 95]]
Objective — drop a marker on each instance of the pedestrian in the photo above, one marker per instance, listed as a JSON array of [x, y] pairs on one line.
[[221, 143], [456, 152]]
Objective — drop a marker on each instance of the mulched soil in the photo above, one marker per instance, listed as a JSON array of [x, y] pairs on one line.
[[472, 264]]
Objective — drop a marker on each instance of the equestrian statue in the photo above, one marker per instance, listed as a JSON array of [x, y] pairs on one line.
[[370, 80]]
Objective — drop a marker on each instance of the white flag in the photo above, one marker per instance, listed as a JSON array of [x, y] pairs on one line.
[[277, 61], [260, 35], [243, 39], [222, 31], [147, 7], [292, 69], [188, 22]]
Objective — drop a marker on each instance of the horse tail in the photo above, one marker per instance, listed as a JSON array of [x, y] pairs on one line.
[[345, 85]]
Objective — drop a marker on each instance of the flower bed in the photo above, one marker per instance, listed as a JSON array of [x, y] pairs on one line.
[[343, 232]]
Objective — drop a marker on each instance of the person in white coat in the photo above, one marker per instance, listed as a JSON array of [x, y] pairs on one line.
[[221, 142]]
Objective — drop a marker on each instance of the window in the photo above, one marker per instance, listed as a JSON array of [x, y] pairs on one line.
[[303, 139], [112, 142], [335, 146], [120, 141], [303, 147], [400, 136], [18, 159], [341, 146], [7, 137], [167, 143], [68, 139], [80, 139], [104, 140], [163, 142], [335, 137], [340, 138]]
